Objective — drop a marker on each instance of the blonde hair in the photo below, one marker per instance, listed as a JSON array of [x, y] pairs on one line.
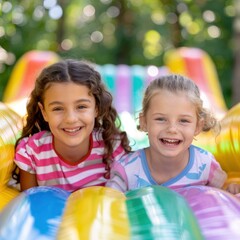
[[178, 83]]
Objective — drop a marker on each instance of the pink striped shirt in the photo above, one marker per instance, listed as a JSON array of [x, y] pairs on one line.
[[36, 155]]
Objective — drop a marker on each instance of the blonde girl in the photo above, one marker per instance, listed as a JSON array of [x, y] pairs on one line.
[[172, 115]]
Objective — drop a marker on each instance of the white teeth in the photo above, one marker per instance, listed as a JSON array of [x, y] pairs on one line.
[[71, 130], [170, 140]]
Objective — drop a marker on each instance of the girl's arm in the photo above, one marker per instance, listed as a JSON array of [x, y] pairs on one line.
[[118, 178], [27, 180]]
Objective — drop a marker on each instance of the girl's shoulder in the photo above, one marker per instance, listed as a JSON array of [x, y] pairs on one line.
[[97, 136], [37, 139], [133, 156], [200, 153]]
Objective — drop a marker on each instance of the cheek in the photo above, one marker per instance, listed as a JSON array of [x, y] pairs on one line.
[[190, 132], [88, 116], [153, 130], [52, 119]]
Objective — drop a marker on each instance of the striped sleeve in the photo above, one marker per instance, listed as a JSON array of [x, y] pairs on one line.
[[118, 151], [118, 178], [217, 176], [23, 156]]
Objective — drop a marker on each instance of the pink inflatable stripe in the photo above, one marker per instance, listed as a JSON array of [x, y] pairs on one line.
[[123, 98]]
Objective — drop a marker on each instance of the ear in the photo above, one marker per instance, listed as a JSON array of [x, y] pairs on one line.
[[42, 111], [199, 127], [142, 122], [96, 112]]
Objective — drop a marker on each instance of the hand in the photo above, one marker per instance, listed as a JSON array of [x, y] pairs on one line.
[[233, 188]]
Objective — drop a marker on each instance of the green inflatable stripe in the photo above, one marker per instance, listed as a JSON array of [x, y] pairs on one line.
[[108, 73], [138, 75], [157, 212]]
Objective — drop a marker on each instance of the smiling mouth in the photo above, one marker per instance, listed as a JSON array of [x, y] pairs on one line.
[[170, 141], [72, 130]]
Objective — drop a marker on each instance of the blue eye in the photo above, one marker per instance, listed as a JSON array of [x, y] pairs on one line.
[[81, 107], [160, 119], [184, 121]]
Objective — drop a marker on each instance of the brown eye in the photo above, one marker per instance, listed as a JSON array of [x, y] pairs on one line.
[[57, 109]]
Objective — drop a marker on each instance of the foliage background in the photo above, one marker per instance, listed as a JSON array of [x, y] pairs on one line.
[[118, 31]]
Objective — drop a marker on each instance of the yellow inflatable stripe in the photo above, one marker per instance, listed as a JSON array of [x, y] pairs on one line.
[[233, 177], [227, 142], [6, 168], [15, 81], [6, 195], [8, 134], [95, 213], [175, 63]]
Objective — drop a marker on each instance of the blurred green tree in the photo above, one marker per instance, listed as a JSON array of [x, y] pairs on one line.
[[118, 31]]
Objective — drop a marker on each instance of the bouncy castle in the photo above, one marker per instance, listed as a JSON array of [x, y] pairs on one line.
[[155, 212]]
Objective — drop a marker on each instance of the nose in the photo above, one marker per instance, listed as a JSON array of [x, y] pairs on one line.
[[71, 116], [172, 127]]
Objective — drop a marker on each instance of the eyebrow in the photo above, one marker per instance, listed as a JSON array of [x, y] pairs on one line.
[[78, 101], [164, 115]]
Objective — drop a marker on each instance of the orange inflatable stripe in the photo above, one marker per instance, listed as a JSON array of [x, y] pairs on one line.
[[32, 69], [195, 64], [25, 73], [195, 71]]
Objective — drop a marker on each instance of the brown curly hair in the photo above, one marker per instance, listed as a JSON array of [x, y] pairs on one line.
[[79, 72]]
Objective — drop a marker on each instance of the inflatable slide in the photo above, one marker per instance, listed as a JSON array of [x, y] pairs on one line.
[[155, 212]]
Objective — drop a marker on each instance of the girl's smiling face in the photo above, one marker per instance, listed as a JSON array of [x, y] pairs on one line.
[[171, 122], [70, 111]]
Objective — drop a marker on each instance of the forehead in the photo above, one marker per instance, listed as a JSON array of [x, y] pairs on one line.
[[66, 91], [51, 87], [173, 101]]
